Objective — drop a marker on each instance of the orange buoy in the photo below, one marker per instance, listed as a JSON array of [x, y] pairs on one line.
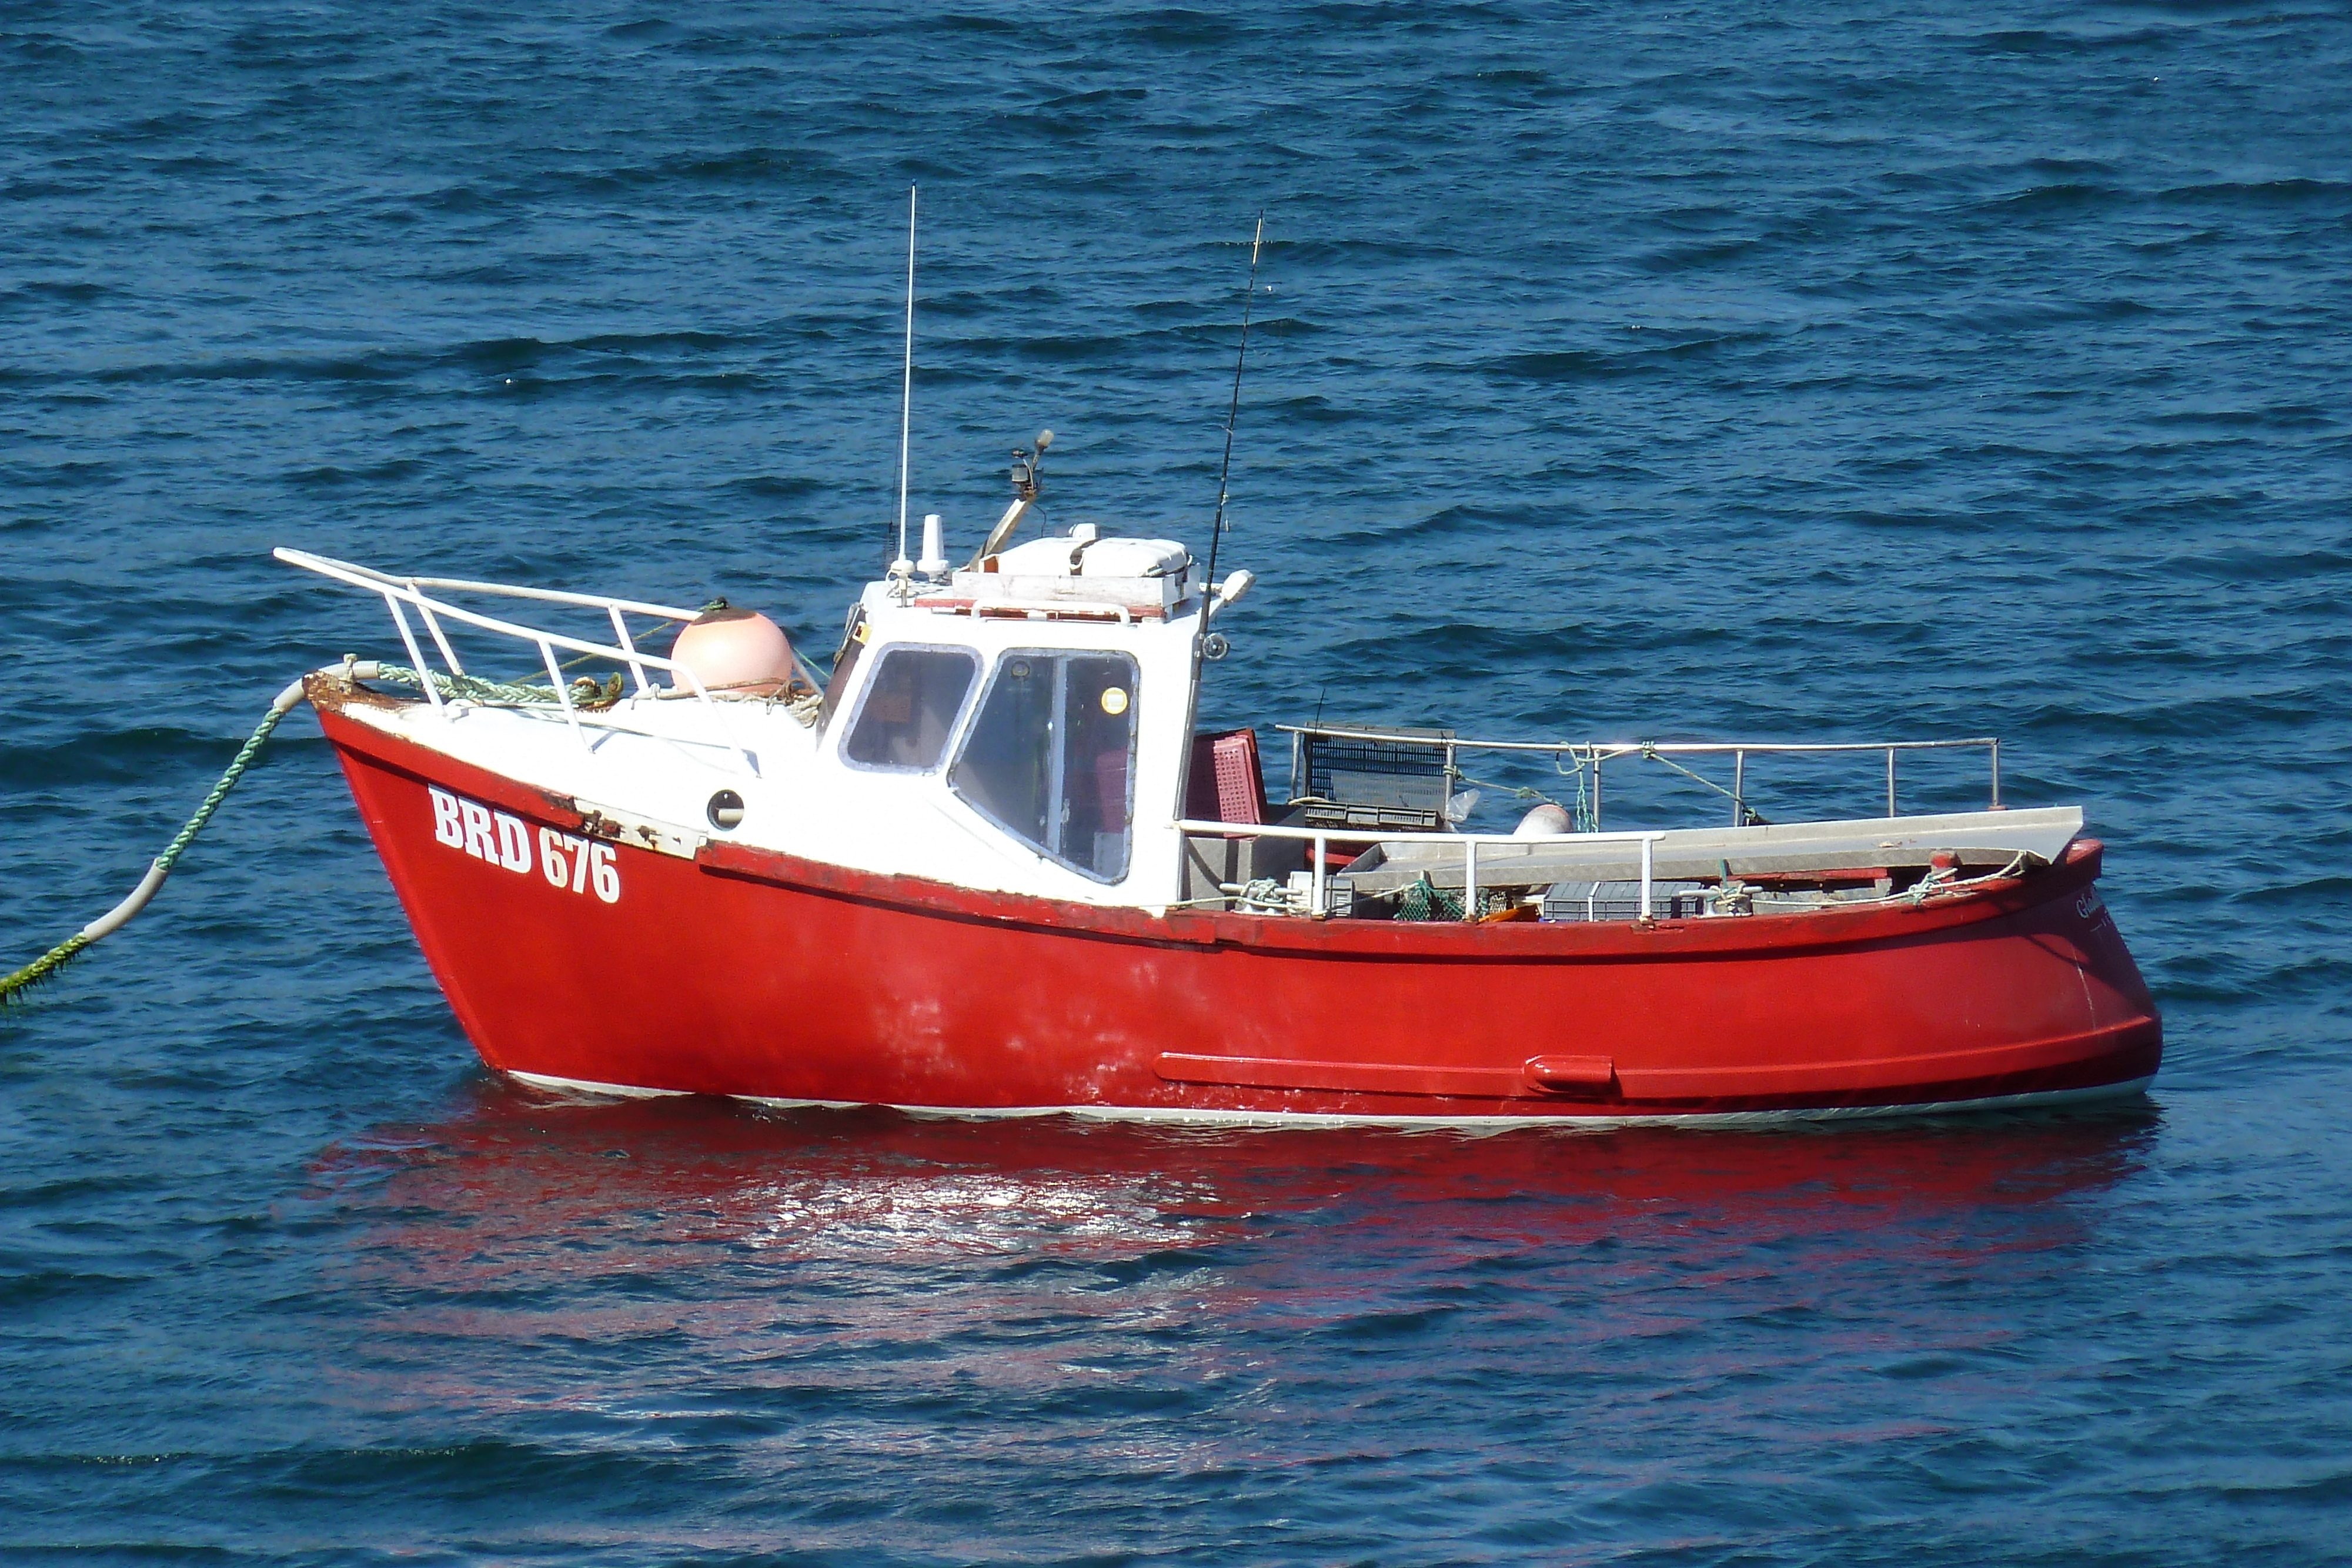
[[734, 650]]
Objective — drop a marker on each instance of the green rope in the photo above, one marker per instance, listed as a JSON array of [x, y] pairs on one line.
[[1420, 899], [588, 695], [243, 760], [1579, 814], [13, 986], [1580, 809], [1650, 754], [1523, 794], [1586, 813], [587, 692]]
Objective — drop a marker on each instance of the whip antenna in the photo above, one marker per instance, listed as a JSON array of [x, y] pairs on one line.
[[1233, 415], [902, 567]]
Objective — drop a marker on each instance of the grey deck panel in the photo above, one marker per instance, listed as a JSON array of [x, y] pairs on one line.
[[1980, 839]]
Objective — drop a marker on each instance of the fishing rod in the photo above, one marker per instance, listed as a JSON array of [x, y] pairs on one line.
[[1206, 643], [1225, 468]]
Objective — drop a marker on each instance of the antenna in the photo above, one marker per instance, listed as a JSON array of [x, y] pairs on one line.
[[901, 568], [1233, 416], [1025, 486]]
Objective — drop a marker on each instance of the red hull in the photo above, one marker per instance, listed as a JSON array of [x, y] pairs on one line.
[[748, 972]]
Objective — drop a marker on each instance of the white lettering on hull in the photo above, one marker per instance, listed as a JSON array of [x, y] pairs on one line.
[[495, 837]]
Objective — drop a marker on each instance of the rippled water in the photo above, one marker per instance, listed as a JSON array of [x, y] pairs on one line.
[[1835, 372]]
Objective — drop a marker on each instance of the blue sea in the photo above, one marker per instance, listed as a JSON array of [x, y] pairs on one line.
[[1838, 370]]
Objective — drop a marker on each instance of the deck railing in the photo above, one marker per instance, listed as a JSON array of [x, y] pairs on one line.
[[1592, 754], [1321, 839], [402, 594]]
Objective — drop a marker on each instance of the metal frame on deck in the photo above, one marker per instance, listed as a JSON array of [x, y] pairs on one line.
[[1321, 837], [1592, 754]]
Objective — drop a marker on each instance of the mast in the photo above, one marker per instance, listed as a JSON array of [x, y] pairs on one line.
[[901, 568]]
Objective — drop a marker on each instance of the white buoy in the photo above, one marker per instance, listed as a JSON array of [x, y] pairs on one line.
[[1544, 821]]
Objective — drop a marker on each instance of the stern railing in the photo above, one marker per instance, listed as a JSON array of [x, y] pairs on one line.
[[1592, 754]]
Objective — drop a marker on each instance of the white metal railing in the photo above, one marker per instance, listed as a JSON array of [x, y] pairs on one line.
[[1595, 753], [409, 592], [1321, 839]]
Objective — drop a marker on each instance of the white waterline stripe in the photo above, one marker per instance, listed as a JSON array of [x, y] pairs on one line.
[[1305, 1120]]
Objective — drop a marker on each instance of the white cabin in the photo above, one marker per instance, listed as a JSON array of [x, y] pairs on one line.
[[1021, 727]]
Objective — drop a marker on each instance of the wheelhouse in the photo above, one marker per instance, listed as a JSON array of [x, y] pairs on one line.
[[1036, 706]]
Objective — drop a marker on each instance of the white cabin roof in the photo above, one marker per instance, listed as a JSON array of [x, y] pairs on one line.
[[1082, 575]]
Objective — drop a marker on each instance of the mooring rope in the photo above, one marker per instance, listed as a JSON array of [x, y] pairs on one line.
[[13, 987], [587, 691], [587, 694]]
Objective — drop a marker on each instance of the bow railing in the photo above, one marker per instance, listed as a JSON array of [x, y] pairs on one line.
[[403, 594]]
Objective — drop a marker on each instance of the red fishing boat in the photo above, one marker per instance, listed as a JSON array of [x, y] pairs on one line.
[[986, 866]]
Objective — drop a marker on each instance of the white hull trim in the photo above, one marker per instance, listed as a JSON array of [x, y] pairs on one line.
[[1279, 1120]]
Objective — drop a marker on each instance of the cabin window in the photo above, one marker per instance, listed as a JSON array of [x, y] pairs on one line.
[[1051, 756], [910, 708]]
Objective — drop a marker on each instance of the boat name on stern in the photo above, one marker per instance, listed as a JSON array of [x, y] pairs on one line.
[[566, 860]]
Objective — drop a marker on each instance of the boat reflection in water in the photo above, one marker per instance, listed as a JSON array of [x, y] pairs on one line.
[[540, 1201], [876, 1336]]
